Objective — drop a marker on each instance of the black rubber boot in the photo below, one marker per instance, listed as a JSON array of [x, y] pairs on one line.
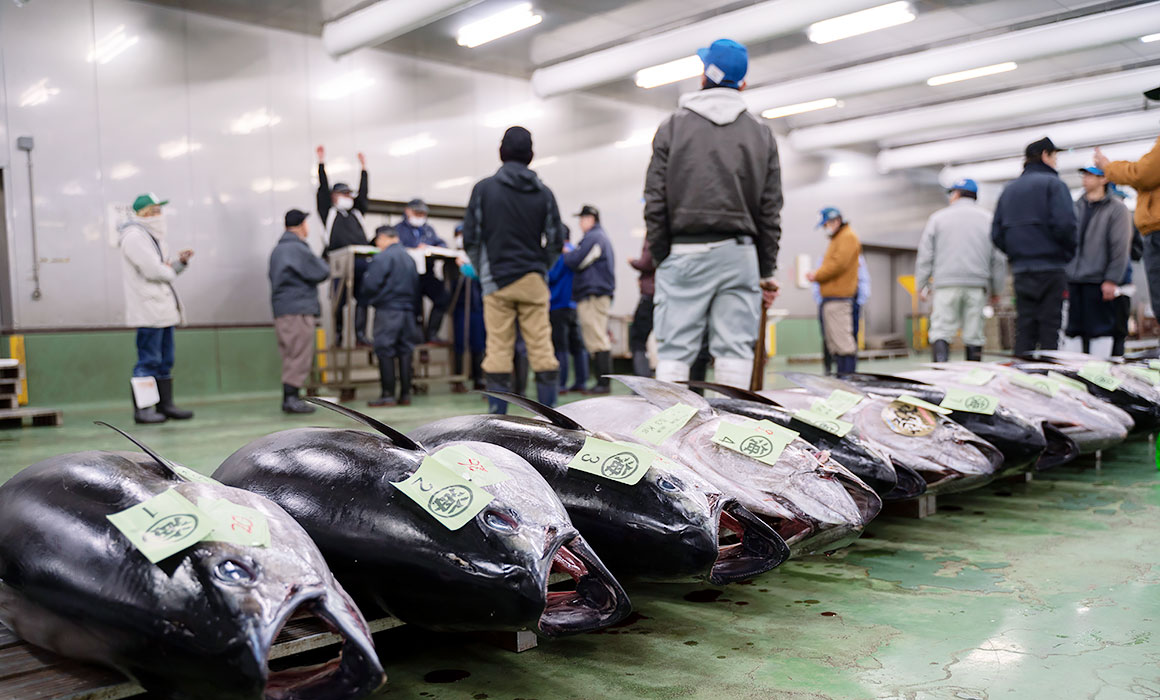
[[291, 403], [603, 367], [477, 371], [498, 382], [547, 386], [940, 351], [520, 375], [145, 415], [405, 375], [562, 359], [386, 382], [640, 364], [846, 364], [165, 407], [974, 353]]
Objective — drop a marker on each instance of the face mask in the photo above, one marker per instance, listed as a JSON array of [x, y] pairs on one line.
[[155, 224], [417, 221], [344, 203]]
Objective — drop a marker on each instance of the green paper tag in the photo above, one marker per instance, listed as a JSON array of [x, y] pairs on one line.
[[962, 400], [837, 404], [919, 403], [1154, 364], [977, 377], [236, 523], [1067, 381], [192, 475], [1148, 375], [1035, 382], [617, 461], [663, 425], [824, 422], [163, 525], [1098, 373], [470, 465], [441, 492], [762, 440]]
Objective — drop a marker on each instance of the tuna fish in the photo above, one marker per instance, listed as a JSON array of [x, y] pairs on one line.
[[198, 623], [1128, 393], [670, 524], [813, 502], [400, 553]]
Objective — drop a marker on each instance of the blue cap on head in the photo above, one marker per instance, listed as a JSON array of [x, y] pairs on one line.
[[1092, 170], [726, 62], [829, 214], [965, 184]]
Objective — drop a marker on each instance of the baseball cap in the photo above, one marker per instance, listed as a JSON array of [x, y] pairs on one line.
[[341, 188], [417, 204], [589, 210], [1043, 145], [1092, 170], [146, 200], [828, 214], [294, 217], [965, 184], [726, 62], [1114, 189]]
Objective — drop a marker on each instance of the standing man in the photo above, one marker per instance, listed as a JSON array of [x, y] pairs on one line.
[[566, 336], [392, 287], [642, 320], [593, 262], [295, 273], [1034, 225], [152, 306], [958, 261], [837, 279], [342, 214], [1105, 242], [415, 232], [513, 235], [713, 214]]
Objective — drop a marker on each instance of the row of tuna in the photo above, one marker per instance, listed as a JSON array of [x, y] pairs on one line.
[[487, 522]]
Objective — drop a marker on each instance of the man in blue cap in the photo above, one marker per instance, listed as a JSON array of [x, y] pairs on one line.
[[713, 215], [1094, 274], [415, 232], [837, 279], [957, 259]]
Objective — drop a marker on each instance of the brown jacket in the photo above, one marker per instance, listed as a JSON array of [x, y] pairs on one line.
[[838, 275], [1144, 176]]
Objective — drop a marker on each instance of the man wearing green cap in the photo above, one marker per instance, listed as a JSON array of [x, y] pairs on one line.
[[152, 306]]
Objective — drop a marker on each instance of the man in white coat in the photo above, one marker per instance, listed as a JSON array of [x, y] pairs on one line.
[[152, 306]]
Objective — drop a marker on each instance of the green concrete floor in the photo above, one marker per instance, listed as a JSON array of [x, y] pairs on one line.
[[1049, 589]]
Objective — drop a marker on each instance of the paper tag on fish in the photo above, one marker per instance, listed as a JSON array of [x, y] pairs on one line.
[[470, 465], [977, 377], [1154, 364], [444, 494], [1067, 381], [969, 401], [919, 403], [909, 419], [762, 440], [236, 523], [1148, 375], [191, 475], [665, 424], [617, 461], [1099, 373], [163, 525], [824, 422], [1035, 382], [836, 404]]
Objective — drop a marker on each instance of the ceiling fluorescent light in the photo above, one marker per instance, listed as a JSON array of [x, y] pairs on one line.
[[499, 25], [38, 93], [250, 122], [639, 137], [123, 171], [972, 73], [1150, 38], [111, 46], [177, 148], [671, 72], [548, 160], [454, 182], [888, 15], [343, 85], [788, 110], [412, 144], [513, 115], [382, 21]]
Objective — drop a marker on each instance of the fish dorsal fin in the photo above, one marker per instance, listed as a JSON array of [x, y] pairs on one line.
[[550, 414], [165, 463], [661, 393], [733, 392], [889, 378], [819, 385], [399, 439]]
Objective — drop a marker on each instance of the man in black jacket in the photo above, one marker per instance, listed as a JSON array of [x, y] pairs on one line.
[[1034, 225], [595, 266], [391, 286], [513, 235], [342, 214]]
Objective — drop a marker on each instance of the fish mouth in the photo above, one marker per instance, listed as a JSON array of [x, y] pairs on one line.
[[746, 547], [806, 535], [589, 600], [910, 484], [1061, 449], [353, 672], [952, 480]]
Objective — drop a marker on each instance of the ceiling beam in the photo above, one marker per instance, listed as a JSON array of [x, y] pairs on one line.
[[384, 21]]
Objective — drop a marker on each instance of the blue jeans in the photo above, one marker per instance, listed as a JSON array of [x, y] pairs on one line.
[[154, 352]]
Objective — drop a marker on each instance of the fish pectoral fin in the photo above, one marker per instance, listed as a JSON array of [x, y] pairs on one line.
[[165, 463], [550, 414], [399, 439], [732, 392], [661, 393]]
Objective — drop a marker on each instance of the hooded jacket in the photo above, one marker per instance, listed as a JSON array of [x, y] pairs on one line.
[[1105, 241], [511, 227], [594, 264], [150, 300], [956, 250], [295, 273], [714, 175], [1034, 222], [1144, 176]]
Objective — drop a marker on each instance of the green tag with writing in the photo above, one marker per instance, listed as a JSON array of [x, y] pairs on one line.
[[915, 401], [836, 404], [1148, 375], [962, 400], [470, 465], [663, 425], [1153, 364], [163, 525], [1067, 381], [977, 377], [448, 497], [192, 475], [1035, 382], [824, 422], [236, 523], [762, 440], [617, 461], [1099, 373]]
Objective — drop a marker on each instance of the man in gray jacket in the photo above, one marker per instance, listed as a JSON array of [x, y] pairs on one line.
[[295, 273], [1105, 242], [713, 214], [956, 258]]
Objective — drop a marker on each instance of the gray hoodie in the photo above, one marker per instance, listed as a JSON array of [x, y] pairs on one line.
[[714, 175], [1104, 242]]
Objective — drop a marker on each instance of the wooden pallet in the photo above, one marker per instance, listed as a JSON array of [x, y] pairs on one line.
[[15, 417]]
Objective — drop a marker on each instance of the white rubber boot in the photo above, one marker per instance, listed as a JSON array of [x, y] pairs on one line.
[[1070, 343], [672, 371], [732, 371], [1101, 347]]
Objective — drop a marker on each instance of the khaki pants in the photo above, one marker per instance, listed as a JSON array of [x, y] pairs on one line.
[[957, 308], [525, 300], [838, 318], [296, 345], [593, 315]]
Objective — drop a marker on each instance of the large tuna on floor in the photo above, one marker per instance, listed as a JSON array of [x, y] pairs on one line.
[[1118, 386], [201, 621], [813, 502], [471, 549], [669, 524]]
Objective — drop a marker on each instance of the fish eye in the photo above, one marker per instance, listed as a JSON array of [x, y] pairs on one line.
[[232, 571], [501, 522], [667, 485]]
